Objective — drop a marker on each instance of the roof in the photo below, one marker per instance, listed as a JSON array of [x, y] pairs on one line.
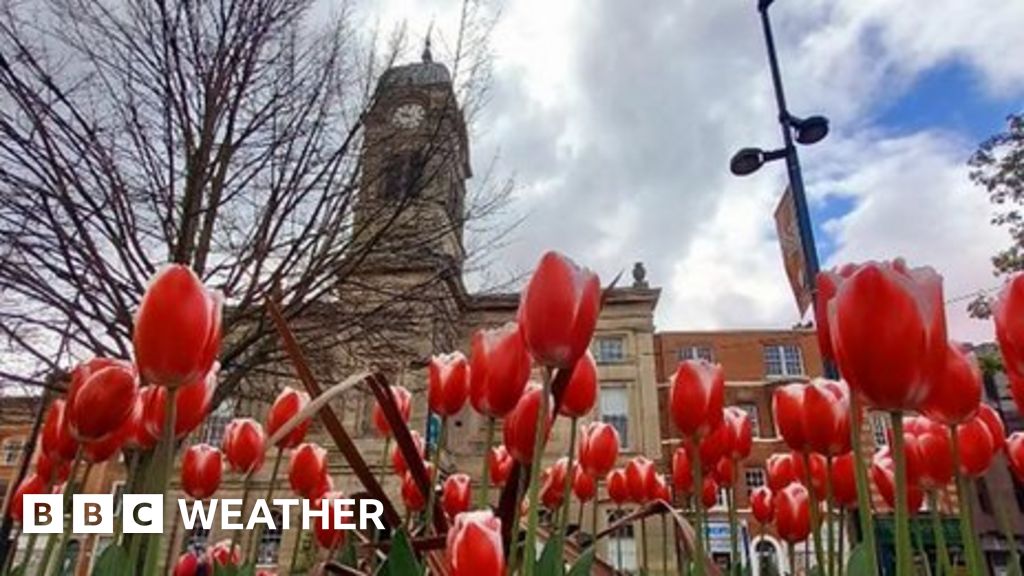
[[510, 300], [416, 74]]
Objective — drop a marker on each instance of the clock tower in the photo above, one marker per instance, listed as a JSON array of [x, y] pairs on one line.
[[411, 203]]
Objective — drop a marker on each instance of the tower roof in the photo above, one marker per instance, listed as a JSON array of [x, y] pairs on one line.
[[416, 74]]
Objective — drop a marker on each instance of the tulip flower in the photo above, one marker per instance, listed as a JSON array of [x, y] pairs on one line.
[[103, 398], [709, 492], [499, 370], [224, 553], [244, 445], [190, 564], [844, 488], [580, 393], [762, 505], [977, 447], [448, 383], [715, 446], [792, 513], [553, 486], [618, 488], [329, 537], [955, 393], [724, 472], [403, 401], [741, 437], [995, 425], [788, 407], [599, 448], [201, 468], [827, 417], [935, 460], [1015, 454], [640, 477], [288, 403], [783, 469], [1008, 314], [558, 311], [474, 545], [501, 465], [884, 476], [455, 494], [57, 441], [682, 473], [307, 468], [520, 426], [325, 486], [98, 451], [827, 283], [32, 484], [696, 397], [412, 497], [177, 328], [889, 333], [192, 403], [398, 459], [52, 472], [583, 486]]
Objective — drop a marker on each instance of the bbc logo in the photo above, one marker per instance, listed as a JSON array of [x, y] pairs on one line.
[[94, 514]]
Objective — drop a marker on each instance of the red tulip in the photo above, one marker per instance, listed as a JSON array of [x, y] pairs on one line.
[[403, 400], [519, 427], [104, 396], [956, 389], [102, 450], [224, 554], [192, 403], [889, 333], [844, 486], [456, 494], [599, 448], [827, 417], [307, 468], [1015, 454], [783, 469], [325, 486], [331, 536], [189, 564], [201, 468], [741, 437], [57, 442], [177, 328], [288, 404], [32, 484], [659, 490], [1008, 314], [583, 486], [709, 493], [696, 397], [244, 445], [714, 446], [995, 425], [618, 488], [501, 465], [580, 393], [398, 460], [827, 283], [788, 406], [448, 383], [499, 370], [558, 311], [553, 485], [682, 473], [977, 447], [817, 475], [640, 477], [51, 471], [792, 513], [761, 504], [724, 472], [936, 455], [474, 545], [412, 497], [883, 473]]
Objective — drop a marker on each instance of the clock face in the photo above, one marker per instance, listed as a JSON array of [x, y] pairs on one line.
[[408, 116]]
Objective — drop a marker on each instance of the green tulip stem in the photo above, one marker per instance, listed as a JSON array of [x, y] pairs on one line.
[[698, 489], [819, 557], [945, 569], [734, 542], [829, 517], [514, 551], [529, 553], [69, 491], [963, 495], [792, 558], [867, 522], [482, 500], [904, 561], [164, 466], [567, 488]]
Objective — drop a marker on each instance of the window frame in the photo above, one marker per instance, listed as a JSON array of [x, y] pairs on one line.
[[601, 358], [694, 352], [13, 446], [784, 369], [751, 471], [624, 430]]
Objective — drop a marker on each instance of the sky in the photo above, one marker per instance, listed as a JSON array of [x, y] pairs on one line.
[[617, 120]]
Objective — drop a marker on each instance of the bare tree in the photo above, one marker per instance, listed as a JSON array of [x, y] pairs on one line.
[[225, 135]]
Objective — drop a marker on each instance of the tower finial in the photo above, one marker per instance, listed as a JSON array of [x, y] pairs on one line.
[[427, 56]]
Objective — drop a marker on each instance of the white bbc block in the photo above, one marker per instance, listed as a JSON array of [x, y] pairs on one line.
[[92, 514], [143, 513], [43, 514]]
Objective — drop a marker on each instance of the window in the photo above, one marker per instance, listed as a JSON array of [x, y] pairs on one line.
[[614, 410], [213, 432], [754, 478], [621, 551], [610, 349], [695, 353], [783, 360], [12, 449], [270, 543], [755, 421], [880, 430]]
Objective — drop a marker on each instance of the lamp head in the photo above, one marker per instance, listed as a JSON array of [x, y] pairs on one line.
[[746, 161], [811, 129]]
